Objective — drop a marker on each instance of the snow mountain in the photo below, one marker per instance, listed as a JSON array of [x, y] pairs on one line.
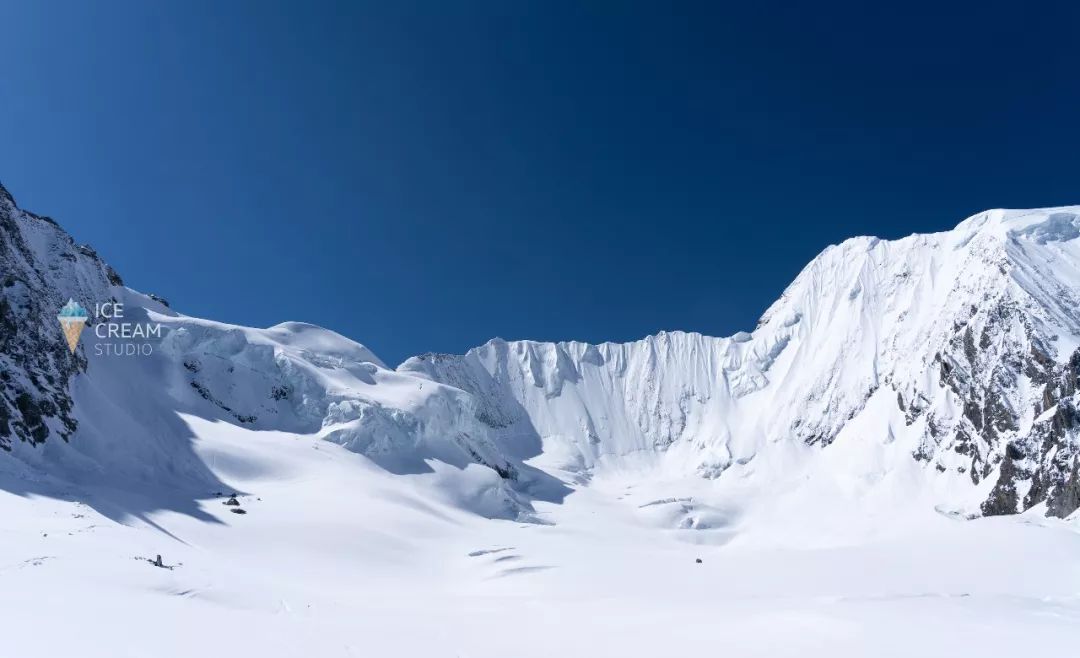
[[886, 450], [950, 358], [958, 350]]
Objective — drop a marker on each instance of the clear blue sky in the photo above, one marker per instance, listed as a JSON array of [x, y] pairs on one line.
[[422, 176]]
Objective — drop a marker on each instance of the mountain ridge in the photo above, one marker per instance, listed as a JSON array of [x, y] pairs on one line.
[[989, 243], [958, 351]]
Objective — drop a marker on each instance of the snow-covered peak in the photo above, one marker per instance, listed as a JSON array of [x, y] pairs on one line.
[[316, 340], [817, 468], [950, 341], [947, 360]]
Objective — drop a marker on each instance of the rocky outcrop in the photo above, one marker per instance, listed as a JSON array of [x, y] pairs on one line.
[[1044, 461], [40, 268]]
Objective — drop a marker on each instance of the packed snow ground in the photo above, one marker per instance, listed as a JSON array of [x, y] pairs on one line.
[[338, 557]]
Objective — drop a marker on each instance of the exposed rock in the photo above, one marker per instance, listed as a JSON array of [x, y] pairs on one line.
[[40, 268]]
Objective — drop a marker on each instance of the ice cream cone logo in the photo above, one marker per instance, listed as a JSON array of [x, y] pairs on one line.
[[72, 318]]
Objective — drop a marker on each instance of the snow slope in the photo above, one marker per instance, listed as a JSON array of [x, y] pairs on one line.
[[337, 557], [839, 471]]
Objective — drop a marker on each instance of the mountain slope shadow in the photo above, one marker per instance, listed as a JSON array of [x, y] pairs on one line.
[[117, 476]]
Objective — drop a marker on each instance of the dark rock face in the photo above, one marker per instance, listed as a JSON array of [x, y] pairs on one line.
[[40, 268], [1066, 497], [998, 351], [1045, 459]]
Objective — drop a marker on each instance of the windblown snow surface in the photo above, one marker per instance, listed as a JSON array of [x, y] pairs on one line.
[[885, 466]]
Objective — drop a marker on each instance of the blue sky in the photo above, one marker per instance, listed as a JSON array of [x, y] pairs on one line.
[[425, 176]]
